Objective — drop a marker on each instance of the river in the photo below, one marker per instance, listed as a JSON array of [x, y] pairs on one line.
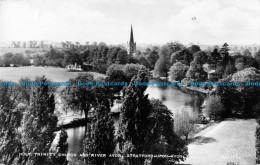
[[176, 100]]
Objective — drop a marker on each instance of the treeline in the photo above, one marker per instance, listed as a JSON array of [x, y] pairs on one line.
[[100, 56], [191, 64], [17, 59]]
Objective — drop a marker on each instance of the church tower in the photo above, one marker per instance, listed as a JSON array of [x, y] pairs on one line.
[[132, 44]]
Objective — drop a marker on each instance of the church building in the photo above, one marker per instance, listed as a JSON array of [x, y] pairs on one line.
[[131, 44]]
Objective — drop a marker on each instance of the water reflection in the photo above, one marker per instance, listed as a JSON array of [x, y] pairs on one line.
[[174, 99]]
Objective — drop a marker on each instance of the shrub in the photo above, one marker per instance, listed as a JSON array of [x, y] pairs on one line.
[[214, 108]]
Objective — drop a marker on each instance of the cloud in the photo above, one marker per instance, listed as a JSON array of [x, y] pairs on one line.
[[216, 23]]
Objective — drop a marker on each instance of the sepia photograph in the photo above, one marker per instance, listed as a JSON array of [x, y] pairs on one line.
[[129, 82]]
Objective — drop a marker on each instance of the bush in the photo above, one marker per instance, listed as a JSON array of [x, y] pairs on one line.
[[214, 108]]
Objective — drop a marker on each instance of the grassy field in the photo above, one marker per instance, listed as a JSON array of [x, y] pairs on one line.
[[54, 74], [230, 142]]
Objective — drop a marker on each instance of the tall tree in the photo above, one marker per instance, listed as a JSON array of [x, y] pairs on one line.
[[134, 119], [152, 57], [162, 138], [11, 113], [100, 134], [60, 148], [39, 123], [214, 58]]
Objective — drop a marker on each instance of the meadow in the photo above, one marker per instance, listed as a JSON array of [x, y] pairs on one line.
[[54, 74]]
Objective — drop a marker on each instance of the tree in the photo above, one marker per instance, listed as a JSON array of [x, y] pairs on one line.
[[100, 134], [133, 122], [7, 59], [100, 65], [122, 57], [78, 97], [246, 53], [161, 68], [115, 73], [214, 58], [230, 69], [196, 71], [83, 98], [77, 43], [214, 108], [131, 70], [239, 64], [163, 64], [174, 46], [178, 71], [152, 57], [112, 54], [72, 57], [146, 126], [11, 113], [225, 55], [39, 123], [31, 44], [162, 138], [63, 44], [257, 57], [183, 124], [143, 61], [183, 56], [61, 148], [193, 49], [42, 44], [24, 44], [248, 95]]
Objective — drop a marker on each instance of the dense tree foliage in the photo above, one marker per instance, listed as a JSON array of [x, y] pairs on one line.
[[79, 97], [178, 71], [16, 59], [152, 57], [163, 64], [196, 71], [60, 148], [214, 109], [11, 113], [184, 56], [122, 57], [100, 134], [214, 58], [138, 118], [39, 123], [131, 70]]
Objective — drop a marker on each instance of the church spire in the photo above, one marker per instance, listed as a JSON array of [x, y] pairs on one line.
[[132, 44], [131, 35]]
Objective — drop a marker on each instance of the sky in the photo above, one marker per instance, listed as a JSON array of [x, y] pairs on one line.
[[154, 21]]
